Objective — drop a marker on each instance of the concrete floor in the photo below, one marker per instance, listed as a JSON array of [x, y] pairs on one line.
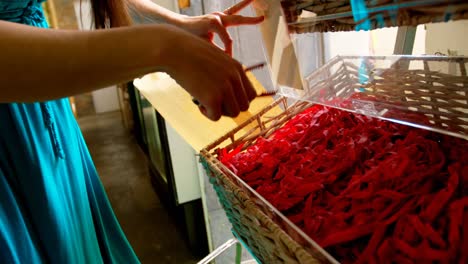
[[123, 170]]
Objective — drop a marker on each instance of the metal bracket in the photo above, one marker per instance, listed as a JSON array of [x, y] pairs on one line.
[[218, 251], [405, 40]]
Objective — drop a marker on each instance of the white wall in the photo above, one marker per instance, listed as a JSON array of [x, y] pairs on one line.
[[375, 42], [452, 36], [106, 99]]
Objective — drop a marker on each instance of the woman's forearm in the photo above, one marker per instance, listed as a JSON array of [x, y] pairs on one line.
[[153, 11], [43, 64]]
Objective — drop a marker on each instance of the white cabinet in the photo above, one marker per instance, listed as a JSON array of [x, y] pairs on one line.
[[184, 166]]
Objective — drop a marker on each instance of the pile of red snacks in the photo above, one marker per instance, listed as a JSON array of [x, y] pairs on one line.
[[365, 189]]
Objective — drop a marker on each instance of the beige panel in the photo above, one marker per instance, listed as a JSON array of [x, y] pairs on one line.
[[177, 108], [278, 45]]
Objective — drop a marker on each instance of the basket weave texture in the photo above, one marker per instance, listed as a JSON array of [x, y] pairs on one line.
[[382, 13], [261, 229], [267, 233], [397, 87]]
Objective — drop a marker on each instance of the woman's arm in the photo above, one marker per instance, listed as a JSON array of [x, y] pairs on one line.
[[43, 64]]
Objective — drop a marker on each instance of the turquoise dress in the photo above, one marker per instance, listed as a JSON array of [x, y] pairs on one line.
[[53, 208]]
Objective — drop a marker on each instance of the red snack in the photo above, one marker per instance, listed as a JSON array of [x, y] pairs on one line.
[[367, 190]]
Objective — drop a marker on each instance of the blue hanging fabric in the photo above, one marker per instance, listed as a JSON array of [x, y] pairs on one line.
[[360, 14]]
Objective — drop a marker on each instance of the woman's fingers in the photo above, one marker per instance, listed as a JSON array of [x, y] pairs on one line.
[[241, 95], [212, 108], [214, 79], [237, 7], [236, 98], [248, 88], [230, 106], [222, 21], [245, 93], [236, 20], [220, 29]]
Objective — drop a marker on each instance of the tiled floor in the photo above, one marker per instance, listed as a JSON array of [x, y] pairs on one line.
[[123, 171]]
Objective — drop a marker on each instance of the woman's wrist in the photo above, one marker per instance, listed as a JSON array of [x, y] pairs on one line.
[[178, 20]]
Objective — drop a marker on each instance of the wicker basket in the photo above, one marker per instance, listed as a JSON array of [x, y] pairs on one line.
[[396, 87], [268, 234], [342, 15]]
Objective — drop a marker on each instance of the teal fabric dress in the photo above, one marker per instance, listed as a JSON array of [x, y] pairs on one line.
[[53, 208]]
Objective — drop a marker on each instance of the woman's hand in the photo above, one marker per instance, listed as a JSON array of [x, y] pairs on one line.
[[207, 25], [211, 76]]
